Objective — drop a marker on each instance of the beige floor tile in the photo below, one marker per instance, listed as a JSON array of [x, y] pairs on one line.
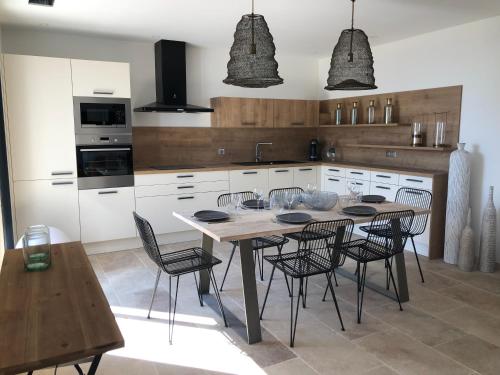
[[384, 370], [409, 356], [419, 325], [474, 297], [294, 366], [475, 322], [474, 353], [429, 301]]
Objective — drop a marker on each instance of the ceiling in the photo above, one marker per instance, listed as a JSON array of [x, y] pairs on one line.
[[308, 27]]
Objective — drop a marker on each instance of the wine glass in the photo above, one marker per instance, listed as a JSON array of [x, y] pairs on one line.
[[290, 199], [354, 191], [259, 195], [276, 204], [234, 204], [311, 188]]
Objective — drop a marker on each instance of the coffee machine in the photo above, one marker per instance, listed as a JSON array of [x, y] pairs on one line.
[[314, 150]]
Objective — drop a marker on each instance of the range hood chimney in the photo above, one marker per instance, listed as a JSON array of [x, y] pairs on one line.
[[170, 71]]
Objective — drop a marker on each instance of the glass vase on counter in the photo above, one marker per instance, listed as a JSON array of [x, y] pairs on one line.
[[338, 114], [417, 137], [371, 112], [440, 130], [388, 111], [354, 113], [36, 248]]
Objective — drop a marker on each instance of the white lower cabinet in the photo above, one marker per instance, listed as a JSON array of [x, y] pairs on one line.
[[158, 210], [303, 176], [280, 178], [362, 186], [248, 180], [335, 184], [106, 214], [49, 202], [386, 190]]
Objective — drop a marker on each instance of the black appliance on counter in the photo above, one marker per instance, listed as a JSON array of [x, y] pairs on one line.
[[314, 150]]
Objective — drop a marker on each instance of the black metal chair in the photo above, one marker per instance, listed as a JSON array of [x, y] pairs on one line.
[[176, 264], [258, 243], [313, 257], [376, 247], [412, 197]]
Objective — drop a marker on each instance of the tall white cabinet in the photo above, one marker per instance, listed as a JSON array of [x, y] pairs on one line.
[[39, 108]]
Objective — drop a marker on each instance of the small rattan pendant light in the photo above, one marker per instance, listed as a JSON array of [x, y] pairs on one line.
[[351, 67], [252, 62]]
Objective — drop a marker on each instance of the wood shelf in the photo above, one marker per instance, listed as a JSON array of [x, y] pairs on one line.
[[391, 125], [400, 147]]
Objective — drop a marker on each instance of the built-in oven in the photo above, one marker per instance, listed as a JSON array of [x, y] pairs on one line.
[[104, 165], [102, 115]]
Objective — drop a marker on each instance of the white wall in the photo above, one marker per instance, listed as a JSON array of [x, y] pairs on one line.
[[206, 68], [467, 55]]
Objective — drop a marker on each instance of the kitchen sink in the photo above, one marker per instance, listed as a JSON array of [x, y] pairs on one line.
[[272, 162]]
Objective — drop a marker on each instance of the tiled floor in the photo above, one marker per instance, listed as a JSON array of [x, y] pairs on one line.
[[450, 326]]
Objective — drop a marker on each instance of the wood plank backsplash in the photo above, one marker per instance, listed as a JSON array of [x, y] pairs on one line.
[[181, 145]]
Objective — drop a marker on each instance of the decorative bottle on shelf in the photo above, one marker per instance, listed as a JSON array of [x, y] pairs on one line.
[[371, 112], [487, 261], [354, 113], [338, 114], [388, 111]]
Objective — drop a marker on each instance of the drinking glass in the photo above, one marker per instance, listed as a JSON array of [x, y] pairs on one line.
[[234, 205], [311, 188], [259, 195], [276, 204], [354, 191], [36, 248], [290, 199]]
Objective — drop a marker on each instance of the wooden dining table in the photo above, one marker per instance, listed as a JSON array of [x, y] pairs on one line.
[[53, 317], [249, 224]]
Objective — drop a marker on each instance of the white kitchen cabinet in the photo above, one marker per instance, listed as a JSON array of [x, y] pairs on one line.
[[158, 210], [303, 176], [100, 78], [333, 171], [280, 178], [335, 184], [386, 190], [384, 177], [39, 113], [418, 182], [49, 202], [106, 214], [357, 174], [248, 180]]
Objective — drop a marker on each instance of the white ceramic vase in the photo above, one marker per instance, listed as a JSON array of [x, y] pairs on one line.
[[458, 202], [466, 255], [487, 259]]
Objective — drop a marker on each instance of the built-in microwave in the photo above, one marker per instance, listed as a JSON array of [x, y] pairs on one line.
[[102, 115]]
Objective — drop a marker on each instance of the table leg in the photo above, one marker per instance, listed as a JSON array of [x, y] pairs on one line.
[[207, 244], [250, 292], [94, 364], [400, 262]]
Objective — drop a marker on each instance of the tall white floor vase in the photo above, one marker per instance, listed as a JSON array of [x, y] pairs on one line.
[[458, 202], [487, 260]]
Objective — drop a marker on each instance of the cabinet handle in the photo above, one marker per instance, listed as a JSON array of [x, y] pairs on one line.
[[248, 123], [333, 179], [55, 183], [185, 176], [414, 180], [61, 173], [334, 170], [108, 192], [281, 170], [104, 91], [182, 198], [383, 187], [382, 176], [360, 173], [298, 123], [185, 187], [250, 172], [104, 149], [358, 183], [305, 169]]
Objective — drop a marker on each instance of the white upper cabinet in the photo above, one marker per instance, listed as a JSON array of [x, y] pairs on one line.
[[39, 111], [100, 78]]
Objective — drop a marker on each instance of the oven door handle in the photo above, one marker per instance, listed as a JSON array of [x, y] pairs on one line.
[[104, 149]]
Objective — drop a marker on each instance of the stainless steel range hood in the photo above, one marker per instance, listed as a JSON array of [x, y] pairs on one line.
[[170, 71]]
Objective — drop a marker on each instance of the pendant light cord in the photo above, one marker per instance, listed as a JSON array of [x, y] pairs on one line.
[[350, 56], [253, 47]]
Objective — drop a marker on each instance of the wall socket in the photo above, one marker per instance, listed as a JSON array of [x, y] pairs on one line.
[[391, 154], [221, 151]]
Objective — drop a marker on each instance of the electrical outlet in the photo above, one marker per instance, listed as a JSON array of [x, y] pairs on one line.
[[221, 151], [391, 154]]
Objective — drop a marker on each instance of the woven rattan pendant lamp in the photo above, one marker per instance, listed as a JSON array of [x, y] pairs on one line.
[[252, 62], [351, 67]]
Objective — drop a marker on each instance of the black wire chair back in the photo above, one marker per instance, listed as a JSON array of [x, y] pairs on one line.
[[416, 198], [148, 240], [324, 250], [281, 192], [395, 222], [224, 199]]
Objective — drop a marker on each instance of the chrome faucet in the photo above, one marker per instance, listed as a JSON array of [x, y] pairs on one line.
[[258, 152]]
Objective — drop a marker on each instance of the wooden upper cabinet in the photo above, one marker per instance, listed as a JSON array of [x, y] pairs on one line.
[[295, 113], [242, 112]]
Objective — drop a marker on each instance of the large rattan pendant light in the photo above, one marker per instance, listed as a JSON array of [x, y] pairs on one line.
[[252, 62], [351, 67]]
